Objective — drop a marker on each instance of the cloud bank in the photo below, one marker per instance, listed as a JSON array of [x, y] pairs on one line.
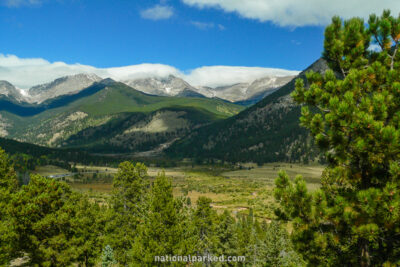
[[158, 12], [214, 76], [299, 12], [27, 72]]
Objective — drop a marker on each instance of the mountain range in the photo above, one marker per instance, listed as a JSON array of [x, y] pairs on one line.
[[105, 113], [163, 116], [161, 86]]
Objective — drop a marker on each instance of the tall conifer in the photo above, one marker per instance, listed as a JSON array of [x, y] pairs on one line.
[[353, 112]]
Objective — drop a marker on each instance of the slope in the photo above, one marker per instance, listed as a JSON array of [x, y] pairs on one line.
[[266, 132], [136, 132], [55, 120]]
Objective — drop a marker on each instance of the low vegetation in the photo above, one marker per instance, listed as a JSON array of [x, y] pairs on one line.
[[46, 223], [236, 189]]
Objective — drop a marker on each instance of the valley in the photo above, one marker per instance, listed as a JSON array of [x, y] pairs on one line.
[[234, 188], [159, 117], [115, 121], [199, 133]]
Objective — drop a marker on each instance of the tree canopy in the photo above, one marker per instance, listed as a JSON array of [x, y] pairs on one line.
[[353, 112]]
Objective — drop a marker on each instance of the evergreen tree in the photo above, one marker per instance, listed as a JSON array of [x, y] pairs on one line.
[[107, 258], [41, 216], [8, 187], [226, 234], [127, 208], [253, 246], [87, 224], [162, 232], [187, 243], [204, 219], [275, 248], [353, 112]]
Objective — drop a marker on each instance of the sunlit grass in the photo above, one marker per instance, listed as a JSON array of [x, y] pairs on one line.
[[249, 187]]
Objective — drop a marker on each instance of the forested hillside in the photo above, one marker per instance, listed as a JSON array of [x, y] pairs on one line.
[[104, 104], [266, 132]]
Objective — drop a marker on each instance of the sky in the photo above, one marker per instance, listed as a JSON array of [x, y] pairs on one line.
[[208, 42]]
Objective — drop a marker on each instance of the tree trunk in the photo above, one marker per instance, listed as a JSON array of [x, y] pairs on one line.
[[365, 257]]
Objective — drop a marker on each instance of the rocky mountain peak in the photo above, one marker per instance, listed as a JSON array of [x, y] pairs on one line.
[[61, 86], [10, 91], [167, 86]]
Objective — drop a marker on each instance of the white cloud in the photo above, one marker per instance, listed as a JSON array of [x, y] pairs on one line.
[[214, 76], [207, 25], [157, 12], [27, 72], [18, 3], [202, 25], [141, 71], [299, 12]]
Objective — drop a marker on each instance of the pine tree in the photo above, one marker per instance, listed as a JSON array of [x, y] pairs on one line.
[[253, 247], [128, 208], [275, 247], [8, 187], [187, 242], [204, 219], [226, 235], [107, 258], [162, 232], [41, 216], [87, 224], [353, 112]]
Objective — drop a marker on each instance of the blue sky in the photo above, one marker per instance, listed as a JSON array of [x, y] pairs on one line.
[[185, 34], [108, 33]]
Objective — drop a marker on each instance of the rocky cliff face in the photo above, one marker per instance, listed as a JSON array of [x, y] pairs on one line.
[[61, 86], [173, 86], [169, 86], [8, 90]]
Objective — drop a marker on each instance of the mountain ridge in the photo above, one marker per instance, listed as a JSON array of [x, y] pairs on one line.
[[9, 91], [55, 120], [61, 86], [265, 132], [164, 86]]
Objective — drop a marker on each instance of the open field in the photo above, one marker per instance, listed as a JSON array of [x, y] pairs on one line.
[[247, 187], [268, 173], [50, 170]]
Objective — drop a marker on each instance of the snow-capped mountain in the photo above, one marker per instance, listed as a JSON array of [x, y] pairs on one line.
[[265, 84], [162, 86], [61, 86], [168, 86], [10, 91], [173, 86], [243, 91]]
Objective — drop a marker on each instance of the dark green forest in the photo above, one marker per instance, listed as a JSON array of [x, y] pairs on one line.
[[53, 226]]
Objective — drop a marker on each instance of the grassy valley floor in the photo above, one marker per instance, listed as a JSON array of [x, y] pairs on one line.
[[239, 190]]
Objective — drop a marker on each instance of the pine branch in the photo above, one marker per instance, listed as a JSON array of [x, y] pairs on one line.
[[394, 55], [379, 42]]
